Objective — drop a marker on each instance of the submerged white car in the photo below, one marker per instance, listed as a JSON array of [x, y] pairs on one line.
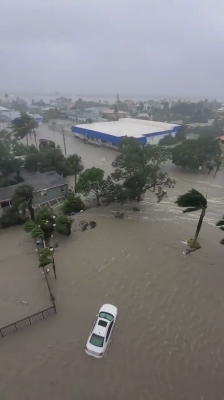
[[101, 331]]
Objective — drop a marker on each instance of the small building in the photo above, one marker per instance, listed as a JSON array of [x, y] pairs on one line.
[[111, 133], [49, 188], [110, 113]]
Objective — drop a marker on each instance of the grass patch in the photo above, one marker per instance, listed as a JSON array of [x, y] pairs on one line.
[[193, 245]]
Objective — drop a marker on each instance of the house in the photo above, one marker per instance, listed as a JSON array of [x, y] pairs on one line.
[[49, 188], [110, 113]]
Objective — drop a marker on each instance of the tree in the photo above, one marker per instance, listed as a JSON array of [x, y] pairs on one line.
[[22, 126], [72, 204], [181, 134], [138, 167], [23, 199], [45, 258], [34, 229], [6, 96], [63, 225], [194, 201], [91, 180], [75, 166], [168, 140], [195, 153]]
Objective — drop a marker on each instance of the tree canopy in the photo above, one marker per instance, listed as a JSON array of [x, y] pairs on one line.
[[91, 181], [22, 126], [193, 201], [138, 167], [196, 153]]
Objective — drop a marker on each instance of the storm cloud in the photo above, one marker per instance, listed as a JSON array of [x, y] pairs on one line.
[[131, 47]]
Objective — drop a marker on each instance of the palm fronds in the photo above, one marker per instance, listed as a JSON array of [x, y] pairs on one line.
[[45, 257], [193, 200]]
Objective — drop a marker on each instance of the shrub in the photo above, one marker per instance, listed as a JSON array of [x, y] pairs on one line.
[[168, 140], [12, 218], [72, 204]]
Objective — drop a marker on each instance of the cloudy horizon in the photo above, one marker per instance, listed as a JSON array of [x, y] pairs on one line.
[[96, 47]]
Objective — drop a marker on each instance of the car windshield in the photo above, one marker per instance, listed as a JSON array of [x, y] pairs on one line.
[[97, 340], [106, 315]]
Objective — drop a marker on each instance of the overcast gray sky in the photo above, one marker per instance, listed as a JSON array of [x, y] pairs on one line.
[[143, 47]]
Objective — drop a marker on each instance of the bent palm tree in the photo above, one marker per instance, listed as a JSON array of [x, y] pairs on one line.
[[23, 199], [35, 230], [194, 201], [45, 258], [24, 125]]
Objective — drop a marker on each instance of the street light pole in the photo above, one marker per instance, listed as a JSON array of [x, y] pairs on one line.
[[62, 130], [53, 263]]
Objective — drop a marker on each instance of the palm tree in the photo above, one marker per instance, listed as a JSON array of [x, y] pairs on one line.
[[23, 199], [35, 229], [45, 258], [23, 125], [220, 224], [75, 166], [116, 111], [194, 201]]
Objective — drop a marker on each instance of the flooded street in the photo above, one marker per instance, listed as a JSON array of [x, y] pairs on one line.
[[168, 343]]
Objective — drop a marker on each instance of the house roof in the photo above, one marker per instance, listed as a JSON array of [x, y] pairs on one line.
[[39, 181], [3, 109], [129, 127], [45, 180]]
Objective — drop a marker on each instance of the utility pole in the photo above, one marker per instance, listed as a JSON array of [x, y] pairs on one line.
[[62, 131]]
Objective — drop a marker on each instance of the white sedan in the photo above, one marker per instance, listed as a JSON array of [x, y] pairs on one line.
[[101, 331]]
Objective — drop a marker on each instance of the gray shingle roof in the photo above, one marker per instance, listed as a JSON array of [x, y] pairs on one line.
[[39, 181]]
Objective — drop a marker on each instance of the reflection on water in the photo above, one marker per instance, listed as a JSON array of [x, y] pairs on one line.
[[169, 338]]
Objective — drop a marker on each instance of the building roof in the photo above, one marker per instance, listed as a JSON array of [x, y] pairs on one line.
[[128, 127], [3, 109], [6, 193], [39, 181], [45, 180], [112, 112]]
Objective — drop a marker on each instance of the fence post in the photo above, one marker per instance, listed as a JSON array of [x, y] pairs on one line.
[[29, 320], [1, 333]]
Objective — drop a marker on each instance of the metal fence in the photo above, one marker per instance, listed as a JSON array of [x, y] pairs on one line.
[[32, 319]]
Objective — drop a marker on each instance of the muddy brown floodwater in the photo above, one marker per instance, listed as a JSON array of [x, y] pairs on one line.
[[168, 343]]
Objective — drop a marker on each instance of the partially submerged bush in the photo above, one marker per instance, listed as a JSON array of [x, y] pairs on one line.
[[72, 204], [12, 218], [193, 245]]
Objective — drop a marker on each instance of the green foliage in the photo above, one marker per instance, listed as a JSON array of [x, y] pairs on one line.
[[45, 257], [74, 166], [138, 167], [63, 225], [168, 140], [10, 218], [22, 126], [72, 204], [91, 180], [195, 153], [193, 200], [45, 220], [23, 199], [82, 105], [53, 113]]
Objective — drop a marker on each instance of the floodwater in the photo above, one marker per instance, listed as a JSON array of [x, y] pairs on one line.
[[168, 343]]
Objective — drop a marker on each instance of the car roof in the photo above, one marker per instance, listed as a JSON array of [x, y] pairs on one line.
[[100, 330]]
